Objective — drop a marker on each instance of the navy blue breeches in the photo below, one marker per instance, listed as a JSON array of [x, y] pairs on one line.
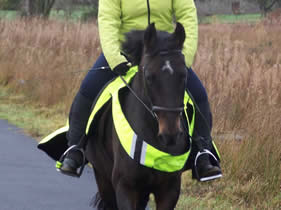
[[97, 78]]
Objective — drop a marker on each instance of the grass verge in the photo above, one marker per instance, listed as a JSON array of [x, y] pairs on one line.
[[35, 120]]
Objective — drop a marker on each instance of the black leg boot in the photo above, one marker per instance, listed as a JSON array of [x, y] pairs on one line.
[[204, 168], [78, 118]]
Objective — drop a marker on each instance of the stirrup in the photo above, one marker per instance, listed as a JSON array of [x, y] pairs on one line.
[[60, 161], [208, 178]]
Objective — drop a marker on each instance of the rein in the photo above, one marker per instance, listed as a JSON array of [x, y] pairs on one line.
[[139, 99], [148, 11]]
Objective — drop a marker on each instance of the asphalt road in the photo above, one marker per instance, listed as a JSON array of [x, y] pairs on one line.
[[29, 181]]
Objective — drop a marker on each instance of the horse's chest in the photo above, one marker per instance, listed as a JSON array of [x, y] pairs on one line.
[[139, 174]]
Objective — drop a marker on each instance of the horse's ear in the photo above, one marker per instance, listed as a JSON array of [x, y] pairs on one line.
[[150, 37], [179, 35]]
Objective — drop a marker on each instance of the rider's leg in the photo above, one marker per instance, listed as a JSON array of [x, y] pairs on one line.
[[80, 112], [202, 128]]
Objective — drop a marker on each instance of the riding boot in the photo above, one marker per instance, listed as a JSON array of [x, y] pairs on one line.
[[78, 118], [206, 166]]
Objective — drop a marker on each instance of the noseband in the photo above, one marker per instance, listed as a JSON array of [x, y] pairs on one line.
[[155, 108]]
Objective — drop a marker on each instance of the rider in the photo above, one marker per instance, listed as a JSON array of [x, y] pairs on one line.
[[115, 18]]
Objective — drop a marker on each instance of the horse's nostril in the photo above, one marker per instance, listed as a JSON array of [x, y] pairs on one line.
[[161, 137], [180, 134], [167, 140], [170, 139]]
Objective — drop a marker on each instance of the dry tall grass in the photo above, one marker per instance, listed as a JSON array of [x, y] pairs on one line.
[[239, 64], [46, 59], [241, 68]]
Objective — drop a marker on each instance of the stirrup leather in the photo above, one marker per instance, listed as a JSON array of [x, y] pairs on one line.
[[59, 162], [205, 151]]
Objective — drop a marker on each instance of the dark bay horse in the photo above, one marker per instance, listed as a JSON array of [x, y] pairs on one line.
[[123, 183]]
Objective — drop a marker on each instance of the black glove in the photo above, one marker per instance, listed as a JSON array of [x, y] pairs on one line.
[[122, 68]]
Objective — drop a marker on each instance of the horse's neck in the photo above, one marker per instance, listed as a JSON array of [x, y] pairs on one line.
[[143, 123]]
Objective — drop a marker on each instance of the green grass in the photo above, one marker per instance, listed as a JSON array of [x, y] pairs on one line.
[[60, 15], [199, 203], [8, 14], [244, 18], [75, 15]]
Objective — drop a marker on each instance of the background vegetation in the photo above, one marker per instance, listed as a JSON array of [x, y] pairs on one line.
[[42, 63], [88, 8]]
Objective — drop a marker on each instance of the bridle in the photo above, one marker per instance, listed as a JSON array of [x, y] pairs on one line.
[[152, 108]]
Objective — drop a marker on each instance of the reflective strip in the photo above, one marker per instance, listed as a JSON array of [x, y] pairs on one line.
[[133, 147], [143, 153]]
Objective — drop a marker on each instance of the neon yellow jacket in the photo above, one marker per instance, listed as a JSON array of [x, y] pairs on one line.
[[116, 17]]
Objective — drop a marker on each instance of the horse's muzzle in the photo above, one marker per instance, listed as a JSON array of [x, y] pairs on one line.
[[169, 140], [169, 123]]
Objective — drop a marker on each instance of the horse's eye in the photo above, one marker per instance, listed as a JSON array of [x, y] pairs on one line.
[[183, 75]]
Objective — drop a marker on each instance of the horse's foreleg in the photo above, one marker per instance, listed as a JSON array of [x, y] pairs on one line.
[[127, 198], [166, 196], [107, 195]]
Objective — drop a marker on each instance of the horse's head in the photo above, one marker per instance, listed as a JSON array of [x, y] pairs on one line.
[[163, 73]]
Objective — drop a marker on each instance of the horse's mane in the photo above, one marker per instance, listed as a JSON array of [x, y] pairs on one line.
[[133, 45]]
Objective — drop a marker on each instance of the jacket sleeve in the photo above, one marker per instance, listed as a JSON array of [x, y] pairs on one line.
[[109, 22], [186, 14]]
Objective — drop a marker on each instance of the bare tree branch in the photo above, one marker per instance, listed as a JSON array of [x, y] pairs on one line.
[[40, 8]]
